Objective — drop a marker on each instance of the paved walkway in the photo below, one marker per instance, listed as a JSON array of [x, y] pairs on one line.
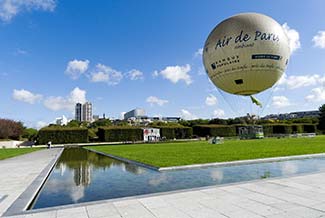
[[299, 196], [17, 173]]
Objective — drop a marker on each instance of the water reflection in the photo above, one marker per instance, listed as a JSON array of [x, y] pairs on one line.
[[289, 168], [81, 163], [158, 179], [82, 176], [217, 175]]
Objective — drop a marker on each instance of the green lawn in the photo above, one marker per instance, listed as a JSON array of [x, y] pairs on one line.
[[11, 152], [184, 153]]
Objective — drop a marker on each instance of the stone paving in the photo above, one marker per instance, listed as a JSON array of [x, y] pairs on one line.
[[298, 196], [17, 173]]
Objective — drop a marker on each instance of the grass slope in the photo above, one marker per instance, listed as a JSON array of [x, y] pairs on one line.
[[12, 152], [176, 154]]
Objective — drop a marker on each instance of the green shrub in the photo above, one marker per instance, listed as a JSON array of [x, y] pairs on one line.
[[309, 128], [297, 128], [268, 130], [271, 129], [62, 135], [119, 134], [176, 132], [214, 130]]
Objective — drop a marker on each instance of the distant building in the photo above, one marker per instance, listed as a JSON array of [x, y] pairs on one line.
[[61, 121], [136, 113], [302, 114], [293, 115], [78, 112], [87, 112], [171, 119], [84, 112], [95, 117]]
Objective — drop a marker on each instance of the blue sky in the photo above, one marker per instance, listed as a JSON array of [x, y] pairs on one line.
[[125, 54]]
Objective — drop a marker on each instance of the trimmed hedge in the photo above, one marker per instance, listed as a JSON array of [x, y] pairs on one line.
[[119, 134], [268, 129], [288, 129], [214, 130], [176, 132], [309, 128], [62, 135]]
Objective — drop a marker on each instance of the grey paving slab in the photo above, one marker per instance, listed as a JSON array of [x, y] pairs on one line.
[[18, 173]]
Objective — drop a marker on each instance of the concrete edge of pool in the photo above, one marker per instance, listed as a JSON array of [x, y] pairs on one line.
[[19, 207]]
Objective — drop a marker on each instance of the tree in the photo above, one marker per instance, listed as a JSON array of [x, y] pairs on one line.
[[30, 134], [10, 129], [191, 123], [218, 121], [321, 124], [101, 122], [73, 123]]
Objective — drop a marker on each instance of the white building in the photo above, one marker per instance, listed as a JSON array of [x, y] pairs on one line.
[[136, 113], [151, 134], [87, 112], [84, 112], [62, 121]]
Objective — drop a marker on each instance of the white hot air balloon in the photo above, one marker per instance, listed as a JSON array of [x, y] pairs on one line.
[[246, 54]]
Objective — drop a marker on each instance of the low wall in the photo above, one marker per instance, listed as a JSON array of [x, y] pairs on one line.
[[10, 144]]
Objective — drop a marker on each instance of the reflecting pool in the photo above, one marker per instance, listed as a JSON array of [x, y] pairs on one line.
[[81, 176]]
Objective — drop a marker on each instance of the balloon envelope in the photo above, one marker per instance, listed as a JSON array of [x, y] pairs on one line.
[[246, 54]]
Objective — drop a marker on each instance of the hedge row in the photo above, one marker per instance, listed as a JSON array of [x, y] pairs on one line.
[[288, 129], [270, 129], [176, 132], [62, 135], [118, 134], [214, 130]]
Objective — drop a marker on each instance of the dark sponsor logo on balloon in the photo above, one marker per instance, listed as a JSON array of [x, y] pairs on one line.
[[243, 38], [266, 56], [225, 61]]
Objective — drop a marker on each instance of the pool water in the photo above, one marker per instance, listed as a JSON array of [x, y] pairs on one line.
[[82, 176]]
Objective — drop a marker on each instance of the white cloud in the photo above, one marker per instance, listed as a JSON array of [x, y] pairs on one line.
[[41, 124], [218, 113], [134, 74], [294, 82], [106, 74], [317, 95], [56, 103], [99, 77], [198, 53], [186, 115], [293, 36], [155, 74], [10, 8], [176, 73], [76, 68], [26, 96], [319, 39], [211, 100], [152, 100], [19, 51], [280, 102]]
